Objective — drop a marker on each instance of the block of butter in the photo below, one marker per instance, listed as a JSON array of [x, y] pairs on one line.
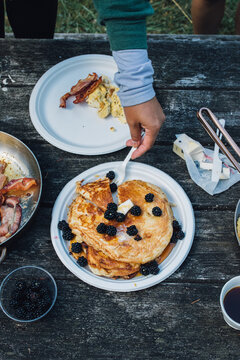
[[125, 207], [192, 147]]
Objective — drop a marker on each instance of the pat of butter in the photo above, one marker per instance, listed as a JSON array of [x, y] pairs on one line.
[[189, 145], [225, 174], [125, 207], [206, 165]]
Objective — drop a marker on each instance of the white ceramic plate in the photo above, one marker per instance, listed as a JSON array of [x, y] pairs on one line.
[[183, 213], [77, 128]]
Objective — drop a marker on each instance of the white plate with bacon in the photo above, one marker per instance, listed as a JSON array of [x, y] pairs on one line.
[[76, 128]]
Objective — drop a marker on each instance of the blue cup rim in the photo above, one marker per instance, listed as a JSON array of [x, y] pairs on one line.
[[21, 268]]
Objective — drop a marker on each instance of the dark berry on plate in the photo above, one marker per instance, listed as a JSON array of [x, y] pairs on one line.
[[20, 285], [113, 187], [112, 206], [149, 197], [120, 217], [110, 215], [111, 230], [174, 238], [76, 247], [82, 261], [67, 235], [138, 237], [157, 211], [176, 225], [132, 230], [63, 225], [180, 235], [136, 210], [153, 267], [144, 270], [110, 175], [101, 228]]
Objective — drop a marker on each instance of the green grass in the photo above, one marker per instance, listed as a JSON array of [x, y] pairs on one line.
[[170, 17]]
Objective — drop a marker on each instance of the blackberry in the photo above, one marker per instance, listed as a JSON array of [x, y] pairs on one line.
[[144, 270], [132, 230], [110, 175], [113, 187], [110, 215], [35, 285], [149, 197], [120, 217], [176, 225], [67, 235], [63, 225], [157, 211], [180, 235], [138, 237], [153, 267], [111, 230], [76, 247], [112, 206], [82, 261], [14, 303], [136, 210], [101, 228], [174, 238], [20, 285]]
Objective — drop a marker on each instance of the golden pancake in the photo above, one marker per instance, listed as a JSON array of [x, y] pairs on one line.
[[156, 231], [98, 192]]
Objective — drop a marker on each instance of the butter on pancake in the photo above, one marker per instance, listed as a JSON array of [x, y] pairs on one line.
[[97, 192], [156, 231]]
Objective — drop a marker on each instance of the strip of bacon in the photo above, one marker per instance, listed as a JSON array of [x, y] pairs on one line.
[[2, 199], [12, 201], [3, 180], [18, 184], [10, 221], [82, 96], [80, 88]]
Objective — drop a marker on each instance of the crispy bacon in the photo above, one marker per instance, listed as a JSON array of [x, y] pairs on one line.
[[10, 220], [82, 89], [2, 199], [18, 184], [3, 180], [12, 201], [82, 96]]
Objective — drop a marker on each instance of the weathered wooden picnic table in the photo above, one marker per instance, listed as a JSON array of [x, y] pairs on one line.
[[179, 318]]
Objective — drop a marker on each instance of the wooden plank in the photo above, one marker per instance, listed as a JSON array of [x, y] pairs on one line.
[[163, 322], [214, 256], [180, 107], [179, 62]]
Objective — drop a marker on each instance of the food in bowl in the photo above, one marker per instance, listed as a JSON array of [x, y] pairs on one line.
[[11, 193], [125, 239]]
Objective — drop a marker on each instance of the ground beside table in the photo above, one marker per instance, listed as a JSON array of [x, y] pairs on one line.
[[179, 318]]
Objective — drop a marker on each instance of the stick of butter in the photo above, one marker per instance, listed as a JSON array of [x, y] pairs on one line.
[[125, 207]]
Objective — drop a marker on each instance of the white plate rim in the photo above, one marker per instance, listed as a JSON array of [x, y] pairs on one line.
[[40, 128], [134, 284]]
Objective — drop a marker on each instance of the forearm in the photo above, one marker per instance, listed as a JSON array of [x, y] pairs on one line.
[[125, 22]]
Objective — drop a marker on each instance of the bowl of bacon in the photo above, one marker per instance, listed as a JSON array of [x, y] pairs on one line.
[[20, 186]]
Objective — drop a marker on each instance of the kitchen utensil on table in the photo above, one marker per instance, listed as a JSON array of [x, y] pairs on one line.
[[215, 138], [21, 163], [217, 163]]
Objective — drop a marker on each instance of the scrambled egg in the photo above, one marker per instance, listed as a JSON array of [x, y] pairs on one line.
[[106, 100]]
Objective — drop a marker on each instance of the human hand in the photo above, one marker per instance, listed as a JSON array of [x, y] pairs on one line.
[[146, 116]]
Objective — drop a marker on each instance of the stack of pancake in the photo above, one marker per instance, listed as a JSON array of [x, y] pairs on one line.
[[120, 255]]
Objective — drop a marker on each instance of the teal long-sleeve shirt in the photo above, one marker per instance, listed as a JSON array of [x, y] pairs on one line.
[[125, 21]]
